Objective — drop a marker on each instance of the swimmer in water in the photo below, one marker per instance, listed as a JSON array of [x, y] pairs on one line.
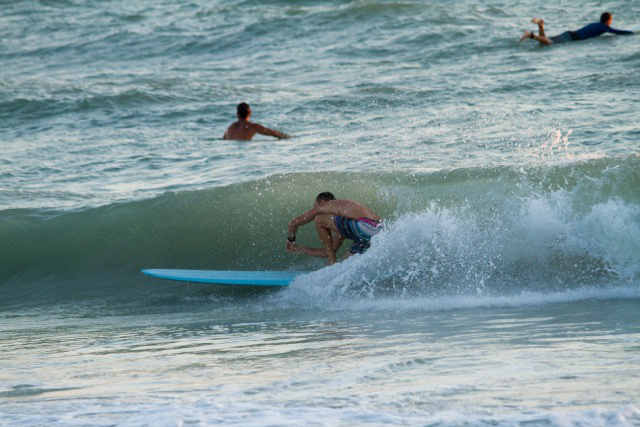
[[244, 130], [592, 30]]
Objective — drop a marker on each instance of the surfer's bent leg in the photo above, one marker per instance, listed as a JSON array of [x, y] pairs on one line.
[[323, 228], [542, 40], [540, 23], [541, 37]]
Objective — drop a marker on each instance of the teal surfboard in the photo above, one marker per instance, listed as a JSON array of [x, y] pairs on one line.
[[222, 277]]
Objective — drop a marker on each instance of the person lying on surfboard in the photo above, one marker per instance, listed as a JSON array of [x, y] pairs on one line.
[[592, 30], [336, 220], [243, 129]]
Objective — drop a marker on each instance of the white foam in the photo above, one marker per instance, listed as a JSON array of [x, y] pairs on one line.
[[207, 411], [543, 248]]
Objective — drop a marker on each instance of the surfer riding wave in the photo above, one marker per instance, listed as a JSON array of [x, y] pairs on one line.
[[336, 220]]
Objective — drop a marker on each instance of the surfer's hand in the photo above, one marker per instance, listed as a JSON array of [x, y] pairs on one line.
[[295, 249]]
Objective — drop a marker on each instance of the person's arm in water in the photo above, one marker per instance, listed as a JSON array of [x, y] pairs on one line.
[[269, 132], [619, 32]]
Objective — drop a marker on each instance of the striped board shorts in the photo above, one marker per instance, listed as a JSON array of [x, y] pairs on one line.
[[359, 230]]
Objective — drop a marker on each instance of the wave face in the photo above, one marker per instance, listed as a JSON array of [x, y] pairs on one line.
[[467, 232]]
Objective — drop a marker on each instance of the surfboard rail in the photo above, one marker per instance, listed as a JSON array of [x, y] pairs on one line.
[[226, 277]]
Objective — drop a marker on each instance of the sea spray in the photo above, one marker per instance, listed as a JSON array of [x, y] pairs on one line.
[[443, 252]]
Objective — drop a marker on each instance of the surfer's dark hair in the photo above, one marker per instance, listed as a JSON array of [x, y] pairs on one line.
[[604, 18], [243, 110], [325, 197]]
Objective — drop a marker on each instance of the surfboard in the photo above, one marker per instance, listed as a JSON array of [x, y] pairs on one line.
[[222, 277]]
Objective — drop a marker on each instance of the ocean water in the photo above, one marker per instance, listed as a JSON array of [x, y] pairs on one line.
[[505, 289]]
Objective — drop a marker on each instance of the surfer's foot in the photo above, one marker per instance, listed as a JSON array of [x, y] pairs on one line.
[[526, 35], [538, 21]]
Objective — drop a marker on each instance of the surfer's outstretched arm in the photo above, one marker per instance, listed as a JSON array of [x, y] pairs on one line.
[[621, 32], [301, 220]]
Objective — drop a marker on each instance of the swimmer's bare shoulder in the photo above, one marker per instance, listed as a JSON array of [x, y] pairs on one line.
[[240, 130]]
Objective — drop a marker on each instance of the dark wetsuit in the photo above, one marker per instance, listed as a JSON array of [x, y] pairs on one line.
[[359, 230], [588, 31]]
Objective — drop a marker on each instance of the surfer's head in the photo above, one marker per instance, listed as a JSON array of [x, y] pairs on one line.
[[244, 111], [606, 18], [324, 197]]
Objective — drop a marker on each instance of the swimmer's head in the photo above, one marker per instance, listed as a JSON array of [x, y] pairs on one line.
[[606, 18], [244, 111], [324, 197]]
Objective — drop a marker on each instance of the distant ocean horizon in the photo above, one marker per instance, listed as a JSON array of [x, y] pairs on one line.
[[504, 289]]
